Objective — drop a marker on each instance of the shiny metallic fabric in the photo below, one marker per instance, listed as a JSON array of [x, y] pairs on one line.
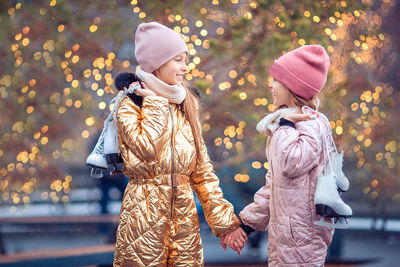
[[159, 223]]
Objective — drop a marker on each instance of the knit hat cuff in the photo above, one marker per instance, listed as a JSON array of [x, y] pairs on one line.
[[292, 82], [164, 60]]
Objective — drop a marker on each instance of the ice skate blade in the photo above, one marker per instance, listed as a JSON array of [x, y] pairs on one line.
[[332, 225], [337, 225], [93, 166], [115, 172], [96, 174], [325, 210]]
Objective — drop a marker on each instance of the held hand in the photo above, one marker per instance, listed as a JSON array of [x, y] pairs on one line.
[[222, 242], [236, 240], [236, 247]]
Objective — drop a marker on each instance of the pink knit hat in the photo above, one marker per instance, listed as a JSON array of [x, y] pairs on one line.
[[303, 70], [156, 44]]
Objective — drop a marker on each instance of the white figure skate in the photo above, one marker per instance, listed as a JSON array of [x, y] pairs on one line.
[[97, 159], [337, 165], [333, 211], [111, 148], [106, 150]]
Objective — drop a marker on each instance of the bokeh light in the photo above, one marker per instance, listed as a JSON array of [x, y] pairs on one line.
[[58, 81]]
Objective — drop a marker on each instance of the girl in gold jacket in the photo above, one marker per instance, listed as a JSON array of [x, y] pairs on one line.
[[165, 159]]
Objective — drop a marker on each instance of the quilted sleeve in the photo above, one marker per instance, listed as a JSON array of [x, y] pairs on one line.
[[299, 149], [141, 129], [256, 215], [218, 211]]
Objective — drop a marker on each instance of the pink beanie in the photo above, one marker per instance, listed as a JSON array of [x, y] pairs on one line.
[[156, 44], [303, 70]]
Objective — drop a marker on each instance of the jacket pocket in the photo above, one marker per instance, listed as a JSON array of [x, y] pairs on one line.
[[302, 235], [284, 234], [295, 235]]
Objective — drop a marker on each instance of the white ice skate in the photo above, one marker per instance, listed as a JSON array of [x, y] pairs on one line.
[[97, 159], [333, 211], [106, 150], [111, 148], [337, 165]]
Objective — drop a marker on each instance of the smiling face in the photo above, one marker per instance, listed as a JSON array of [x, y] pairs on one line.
[[173, 71], [280, 94]]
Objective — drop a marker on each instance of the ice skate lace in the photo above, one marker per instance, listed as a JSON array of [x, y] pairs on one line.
[[326, 141], [112, 117]]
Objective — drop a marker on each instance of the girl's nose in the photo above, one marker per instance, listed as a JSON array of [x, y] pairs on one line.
[[184, 67], [270, 85]]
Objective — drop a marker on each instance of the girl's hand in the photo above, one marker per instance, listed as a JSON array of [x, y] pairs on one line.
[[222, 242], [236, 240], [145, 91], [296, 117], [236, 248]]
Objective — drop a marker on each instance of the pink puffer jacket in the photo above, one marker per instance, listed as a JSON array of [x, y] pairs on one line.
[[285, 205]]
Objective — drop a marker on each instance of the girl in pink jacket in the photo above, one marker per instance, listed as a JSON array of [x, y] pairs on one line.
[[285, 205]]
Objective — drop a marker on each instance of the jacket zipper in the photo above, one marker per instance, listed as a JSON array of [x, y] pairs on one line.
[[173, 178]]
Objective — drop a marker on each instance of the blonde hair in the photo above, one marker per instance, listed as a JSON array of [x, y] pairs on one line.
[[299, 102], [191, 107]]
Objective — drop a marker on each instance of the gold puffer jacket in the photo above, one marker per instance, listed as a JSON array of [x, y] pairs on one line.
[[159, 224]]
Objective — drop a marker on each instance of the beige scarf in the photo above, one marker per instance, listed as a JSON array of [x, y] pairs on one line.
[[174, 93]]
